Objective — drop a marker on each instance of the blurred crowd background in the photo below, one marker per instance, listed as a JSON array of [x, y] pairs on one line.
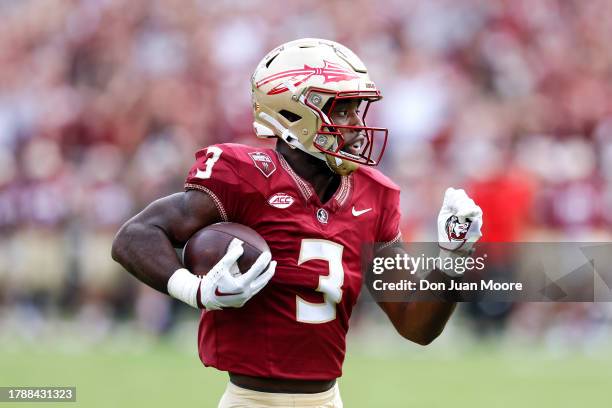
[[104, 102]]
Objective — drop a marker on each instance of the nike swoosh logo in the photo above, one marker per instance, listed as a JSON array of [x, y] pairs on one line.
[[219, 293], [360, 212]]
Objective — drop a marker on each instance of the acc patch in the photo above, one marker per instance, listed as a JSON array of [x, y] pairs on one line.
[[263, 162], [281, 200]]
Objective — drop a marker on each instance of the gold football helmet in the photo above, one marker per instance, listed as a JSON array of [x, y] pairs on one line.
[[296, 86]]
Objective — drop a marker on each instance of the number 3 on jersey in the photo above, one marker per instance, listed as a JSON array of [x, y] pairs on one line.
[[330, 285], [210, 162]]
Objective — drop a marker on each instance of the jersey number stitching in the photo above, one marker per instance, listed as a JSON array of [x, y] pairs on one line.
[[330, 285], [216, 153]]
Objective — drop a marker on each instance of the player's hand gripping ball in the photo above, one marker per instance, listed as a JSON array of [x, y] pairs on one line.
[[207, 246], [233, 261]]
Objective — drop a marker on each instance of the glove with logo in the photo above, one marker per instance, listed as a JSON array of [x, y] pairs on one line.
[[224, 285], [459, 224]]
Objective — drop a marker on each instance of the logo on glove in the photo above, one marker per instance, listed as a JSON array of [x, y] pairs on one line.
[[457, 231]]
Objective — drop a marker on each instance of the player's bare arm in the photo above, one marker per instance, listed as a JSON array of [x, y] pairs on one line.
[[459, 225], [419, 322], [145, 244], [145, 247]]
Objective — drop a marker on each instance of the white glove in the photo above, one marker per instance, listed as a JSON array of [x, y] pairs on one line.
[[459, 224], [224, 285]]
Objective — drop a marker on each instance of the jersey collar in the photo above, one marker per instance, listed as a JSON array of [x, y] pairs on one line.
[[338, 200]]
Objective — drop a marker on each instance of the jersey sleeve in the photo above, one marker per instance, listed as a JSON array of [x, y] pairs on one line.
[[214, 173], [389, 223]]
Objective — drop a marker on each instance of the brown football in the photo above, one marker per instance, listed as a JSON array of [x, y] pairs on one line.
[[207, 246]]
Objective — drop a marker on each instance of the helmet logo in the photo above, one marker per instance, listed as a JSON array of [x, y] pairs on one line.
[[263, 162], [330, 71]]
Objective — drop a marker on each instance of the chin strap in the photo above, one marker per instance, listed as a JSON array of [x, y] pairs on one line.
[[336, 164], [339, 166], [285, 134]]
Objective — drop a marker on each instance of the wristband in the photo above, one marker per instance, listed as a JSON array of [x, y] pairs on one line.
[[183, 285]]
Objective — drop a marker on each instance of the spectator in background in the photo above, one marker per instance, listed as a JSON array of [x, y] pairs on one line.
[[102, 102]]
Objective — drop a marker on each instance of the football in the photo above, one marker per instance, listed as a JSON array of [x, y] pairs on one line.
[[207, 246]]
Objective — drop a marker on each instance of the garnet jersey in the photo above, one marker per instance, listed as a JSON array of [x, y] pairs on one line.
[[295, 328]]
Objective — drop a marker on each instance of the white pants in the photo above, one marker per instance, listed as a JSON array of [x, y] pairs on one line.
[[237, 397]]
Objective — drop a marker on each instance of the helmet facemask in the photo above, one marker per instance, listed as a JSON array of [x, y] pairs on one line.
[[359, 144]]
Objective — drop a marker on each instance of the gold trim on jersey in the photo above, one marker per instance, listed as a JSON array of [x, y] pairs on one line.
[[217, 201]]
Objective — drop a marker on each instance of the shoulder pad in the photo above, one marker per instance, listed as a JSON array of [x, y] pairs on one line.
[[244, 158], [377, 177]]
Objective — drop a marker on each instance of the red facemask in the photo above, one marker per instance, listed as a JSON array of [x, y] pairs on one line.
[[374, 138]]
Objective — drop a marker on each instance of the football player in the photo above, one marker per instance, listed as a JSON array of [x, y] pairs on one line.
[[315, 199]]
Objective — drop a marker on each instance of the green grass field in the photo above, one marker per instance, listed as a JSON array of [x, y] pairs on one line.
[[164, 375]]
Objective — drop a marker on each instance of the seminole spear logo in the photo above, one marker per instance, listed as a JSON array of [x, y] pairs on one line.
[[329, 71]]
